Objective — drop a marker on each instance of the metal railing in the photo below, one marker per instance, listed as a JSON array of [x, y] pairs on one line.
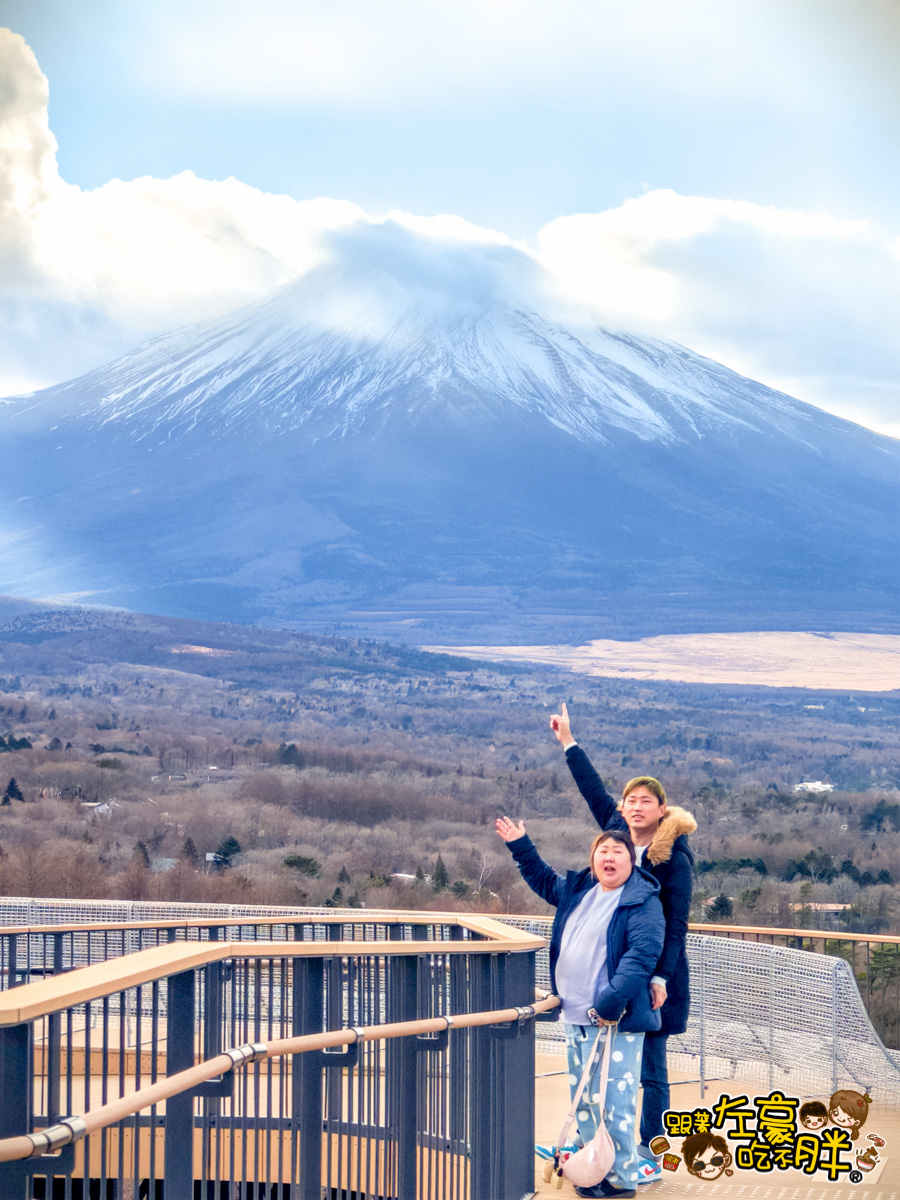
[[326, 1103], [874, 960], [776, 1013], [93, 931], [787, 1008]]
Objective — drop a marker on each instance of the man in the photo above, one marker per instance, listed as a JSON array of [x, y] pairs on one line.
[[605, 941], [659, 832]]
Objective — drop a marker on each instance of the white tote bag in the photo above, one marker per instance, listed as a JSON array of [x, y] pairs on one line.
[[593, 1161]]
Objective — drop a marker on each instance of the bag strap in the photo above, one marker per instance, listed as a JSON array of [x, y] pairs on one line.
[[585, 1075], [604, 1068]]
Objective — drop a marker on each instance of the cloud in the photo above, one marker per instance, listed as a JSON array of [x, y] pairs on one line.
[[87, 274], [387, 54], [353, 52], [802, 301]]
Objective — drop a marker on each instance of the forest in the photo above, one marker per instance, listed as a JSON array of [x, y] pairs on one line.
[[145, 757]]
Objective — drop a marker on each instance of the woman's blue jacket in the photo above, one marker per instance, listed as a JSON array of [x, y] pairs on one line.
[[634, 936]]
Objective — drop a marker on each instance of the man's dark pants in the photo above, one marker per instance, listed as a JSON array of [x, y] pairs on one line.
[[655, 1084]]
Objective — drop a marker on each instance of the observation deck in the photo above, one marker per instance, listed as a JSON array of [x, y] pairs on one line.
[[192, 1052]]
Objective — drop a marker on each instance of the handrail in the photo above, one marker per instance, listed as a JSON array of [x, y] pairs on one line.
[[396, 917], [74, 1128], [817, 934], [32, 1001], [828, 935], [366, 916]]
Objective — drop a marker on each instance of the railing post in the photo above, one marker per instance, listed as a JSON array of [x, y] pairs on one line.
[[701, 974], [513, 1099], [212, 1010], [405, 978], [459, 1049], [13, 961], [306, 1076], [771, 1022], [481, 1135], [16, 1074], [179, 1146], [54, 1042], [834, 1011]]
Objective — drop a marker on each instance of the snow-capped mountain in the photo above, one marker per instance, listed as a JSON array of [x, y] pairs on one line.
[[331, 352], [425, 447]]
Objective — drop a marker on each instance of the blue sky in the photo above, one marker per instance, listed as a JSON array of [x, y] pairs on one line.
[[720, 172]]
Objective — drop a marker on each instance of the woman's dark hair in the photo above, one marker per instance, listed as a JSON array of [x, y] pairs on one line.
[[613, 835]]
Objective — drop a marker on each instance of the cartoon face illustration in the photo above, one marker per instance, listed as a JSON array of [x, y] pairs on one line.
[[813, 1115], [849, 1110], [706, 1155]]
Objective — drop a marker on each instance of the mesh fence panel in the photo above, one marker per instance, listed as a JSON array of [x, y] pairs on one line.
[[778, 1016]]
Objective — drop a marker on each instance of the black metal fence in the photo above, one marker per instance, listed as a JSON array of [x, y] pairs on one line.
[[449, 1115]]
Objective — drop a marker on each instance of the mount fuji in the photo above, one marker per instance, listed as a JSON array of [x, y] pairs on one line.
[[420, 441]]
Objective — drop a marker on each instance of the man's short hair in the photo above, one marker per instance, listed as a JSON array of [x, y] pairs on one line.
[[647, 781], [613, 835]]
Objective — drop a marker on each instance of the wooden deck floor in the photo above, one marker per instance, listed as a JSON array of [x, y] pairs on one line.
[[552, 1103]]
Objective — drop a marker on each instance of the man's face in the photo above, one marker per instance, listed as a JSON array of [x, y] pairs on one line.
[[611, 864], [814, 1121], [710, 1164], [641, 810]]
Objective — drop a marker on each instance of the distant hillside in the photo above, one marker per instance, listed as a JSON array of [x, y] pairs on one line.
[[132, 747]]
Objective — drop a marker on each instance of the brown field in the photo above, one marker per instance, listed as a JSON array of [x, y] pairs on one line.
[[844, 661]]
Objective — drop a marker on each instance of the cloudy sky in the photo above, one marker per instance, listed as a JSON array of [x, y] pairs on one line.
[[723, 173]]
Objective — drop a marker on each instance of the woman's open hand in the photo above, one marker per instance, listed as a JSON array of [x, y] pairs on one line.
[[508, 830]]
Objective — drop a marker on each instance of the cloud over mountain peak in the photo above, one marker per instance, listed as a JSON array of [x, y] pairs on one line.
[[804, 301]]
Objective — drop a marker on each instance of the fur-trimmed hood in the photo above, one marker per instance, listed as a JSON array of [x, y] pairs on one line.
[[676, 822]]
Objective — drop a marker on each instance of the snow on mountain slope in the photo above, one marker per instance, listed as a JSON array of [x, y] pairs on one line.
[[399, 425], [333, 349]]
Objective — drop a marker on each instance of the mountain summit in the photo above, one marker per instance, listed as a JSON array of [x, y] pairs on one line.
[[414, 440]]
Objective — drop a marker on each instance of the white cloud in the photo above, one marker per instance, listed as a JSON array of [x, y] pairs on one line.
[[801, 301], [355, 51], [87, 274], [392, 52], [776, 57]]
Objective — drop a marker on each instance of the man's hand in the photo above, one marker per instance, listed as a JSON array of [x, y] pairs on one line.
[[658, 995], [559, 723], [508, 830]]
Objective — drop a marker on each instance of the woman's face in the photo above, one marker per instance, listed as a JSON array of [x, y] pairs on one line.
[[611, 864], [839, 1117]]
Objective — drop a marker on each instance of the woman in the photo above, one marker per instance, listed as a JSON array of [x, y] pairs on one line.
[[606, 938], [660, 834]]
